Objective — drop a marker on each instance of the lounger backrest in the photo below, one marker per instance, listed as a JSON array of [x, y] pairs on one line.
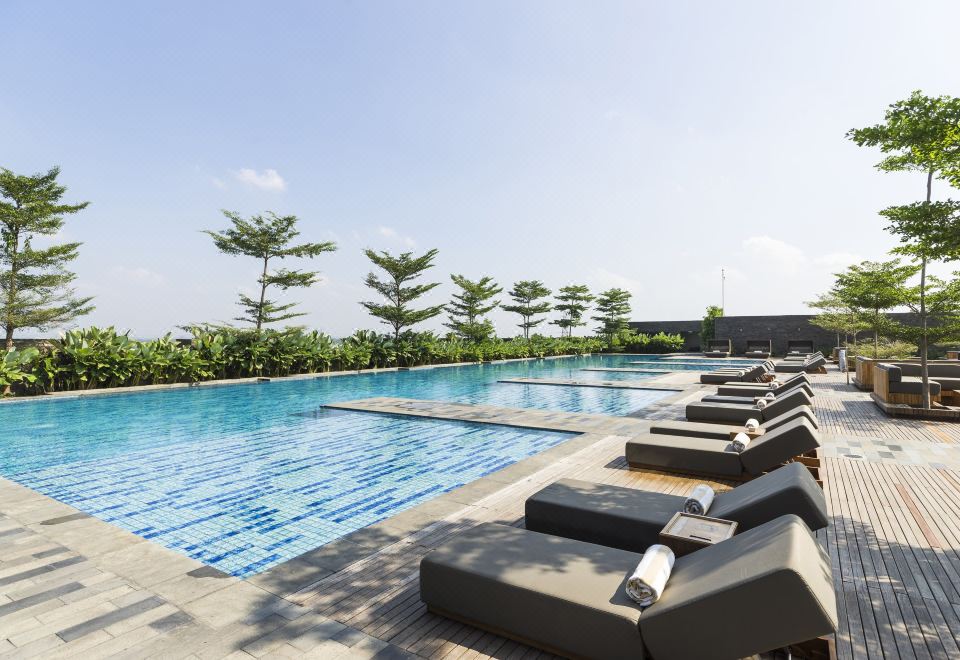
[[785, 403], [800, 411], [788, 489], [818, 361], [764, 589], [779, 446]]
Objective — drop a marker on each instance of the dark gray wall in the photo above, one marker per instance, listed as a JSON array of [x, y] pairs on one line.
[[689, 330]]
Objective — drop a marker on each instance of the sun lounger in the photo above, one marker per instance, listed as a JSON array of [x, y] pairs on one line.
[[632, 519], [739, 413], [808, 366], [761, 590], [720, 376], [751, 389], [706, 456], [722, 431]]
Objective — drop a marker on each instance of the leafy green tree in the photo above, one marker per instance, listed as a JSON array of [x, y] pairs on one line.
[[872, 288], [469, 307], [397, 312], [269, 237], [528, 296], [709, 322], [921, 134], [34, 282], [613, 311], [574, 300], [836, 315], [941, 304]]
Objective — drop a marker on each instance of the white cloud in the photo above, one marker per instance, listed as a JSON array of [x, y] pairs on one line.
[[392, 234], [265, 180], [138, 275], [837, 261], [603, 279], [787, 258]]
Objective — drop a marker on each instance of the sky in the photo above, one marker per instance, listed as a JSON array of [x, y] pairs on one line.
[[638, 145]]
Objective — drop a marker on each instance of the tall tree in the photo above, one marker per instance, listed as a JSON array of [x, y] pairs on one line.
[[921, 134], [574, 300], [871, 289], [836, 315], [401, 270], [267, 237], [709, 323], [470, 305], [613, 311], [34, 282], [528, 296]]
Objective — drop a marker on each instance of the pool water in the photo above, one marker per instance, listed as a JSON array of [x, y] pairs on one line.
[[243, 477]]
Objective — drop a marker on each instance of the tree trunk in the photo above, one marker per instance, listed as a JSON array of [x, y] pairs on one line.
[[924, 371], [263, 294], [10, 330]]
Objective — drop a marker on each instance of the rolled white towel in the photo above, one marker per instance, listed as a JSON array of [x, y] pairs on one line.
[[769, 396], [740, 442], [752, 424], [646, 584], [699, 500], [761, 404]]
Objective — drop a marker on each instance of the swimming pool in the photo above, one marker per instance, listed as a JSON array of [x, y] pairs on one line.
[[245, 476]]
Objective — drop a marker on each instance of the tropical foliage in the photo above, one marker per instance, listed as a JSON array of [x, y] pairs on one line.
[[268, 237], [709, 323], [94, 358], [34, 282]]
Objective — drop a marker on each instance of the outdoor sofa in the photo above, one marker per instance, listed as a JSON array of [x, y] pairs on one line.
[[892, 386], [631, 519], [759, 348], [765, 589], [719, 348], [800, 347], [739, 413], [710, 457]]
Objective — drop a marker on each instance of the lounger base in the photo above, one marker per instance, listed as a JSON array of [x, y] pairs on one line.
[[742, 477], [503, 633]]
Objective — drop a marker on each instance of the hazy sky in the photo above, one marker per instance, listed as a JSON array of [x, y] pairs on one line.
[[640, 145]]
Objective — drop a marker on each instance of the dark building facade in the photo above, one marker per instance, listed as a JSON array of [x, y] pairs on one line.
[[779, 328]]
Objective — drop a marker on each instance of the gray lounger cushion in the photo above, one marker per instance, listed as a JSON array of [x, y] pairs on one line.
[[567, 596], [749, 399], [748, 389], [739, 413], [722, 431], [631, 519], [692, 455]]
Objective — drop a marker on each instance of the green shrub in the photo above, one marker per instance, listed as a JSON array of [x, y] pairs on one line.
[[887, 350]]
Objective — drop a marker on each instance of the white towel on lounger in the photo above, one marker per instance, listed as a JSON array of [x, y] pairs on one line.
[[699, 500], [761, 404], [752, 424], [740, 442], [770, 396], [646, 584]]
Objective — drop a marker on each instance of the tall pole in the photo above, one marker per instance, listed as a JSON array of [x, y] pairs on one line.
[[723, 289]]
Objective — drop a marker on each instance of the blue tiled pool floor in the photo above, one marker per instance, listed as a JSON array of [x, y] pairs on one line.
[[249, 501], [245, 476]]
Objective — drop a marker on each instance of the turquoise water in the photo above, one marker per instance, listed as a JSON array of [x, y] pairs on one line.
[[243, 477]]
